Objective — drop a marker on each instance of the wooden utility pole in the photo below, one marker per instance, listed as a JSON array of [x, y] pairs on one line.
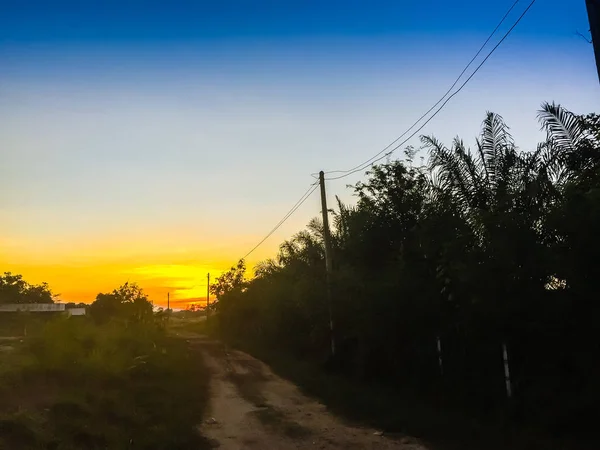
[[328, 261], [593, 10], [207, 295], [168, 301]]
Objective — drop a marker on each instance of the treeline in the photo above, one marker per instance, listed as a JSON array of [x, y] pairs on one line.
[[438, 268]]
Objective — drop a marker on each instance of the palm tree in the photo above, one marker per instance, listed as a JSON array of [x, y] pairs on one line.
[[497, 178], [342, 223], [572, 142], [480, 182], [504, 195]]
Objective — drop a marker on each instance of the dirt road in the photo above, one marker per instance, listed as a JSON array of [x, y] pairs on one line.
[[252, 408]]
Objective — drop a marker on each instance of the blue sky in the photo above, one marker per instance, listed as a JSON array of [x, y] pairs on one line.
[[196, 125], [146, 21]]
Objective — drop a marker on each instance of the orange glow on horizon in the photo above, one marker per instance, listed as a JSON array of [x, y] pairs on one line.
[[185, 284], [79, 276]]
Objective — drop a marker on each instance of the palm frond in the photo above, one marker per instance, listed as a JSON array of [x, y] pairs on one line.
[[563, 127], [448, 168], [495, 139], [473, 174], [315, 227]]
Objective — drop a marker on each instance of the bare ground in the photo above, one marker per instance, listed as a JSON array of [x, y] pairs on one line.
[[252, 408]]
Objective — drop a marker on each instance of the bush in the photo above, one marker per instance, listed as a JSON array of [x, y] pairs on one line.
[[83, 385]]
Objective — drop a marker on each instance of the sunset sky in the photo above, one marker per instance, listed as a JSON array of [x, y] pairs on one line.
[[157, 141]]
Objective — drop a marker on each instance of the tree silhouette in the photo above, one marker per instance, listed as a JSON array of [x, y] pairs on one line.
[[480, 248], [14, 289], [127, 302]]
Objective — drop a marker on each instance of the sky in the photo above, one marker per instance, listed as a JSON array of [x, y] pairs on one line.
[[156, 142]]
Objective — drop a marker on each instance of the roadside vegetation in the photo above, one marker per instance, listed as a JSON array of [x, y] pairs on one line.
[[437, 269], [113, 379]]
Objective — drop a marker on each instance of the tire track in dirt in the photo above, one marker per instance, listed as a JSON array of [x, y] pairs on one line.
[[252, 408]]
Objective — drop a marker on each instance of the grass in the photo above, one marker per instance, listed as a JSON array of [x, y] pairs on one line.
[[180, 321], [77, 385]]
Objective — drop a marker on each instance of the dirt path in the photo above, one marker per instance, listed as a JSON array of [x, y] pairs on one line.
[[252, 408]]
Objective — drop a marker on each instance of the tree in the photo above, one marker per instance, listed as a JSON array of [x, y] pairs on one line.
[[75, 305], [14, 289], [227, 289], [230, 281], [483, 247], [126, 302]]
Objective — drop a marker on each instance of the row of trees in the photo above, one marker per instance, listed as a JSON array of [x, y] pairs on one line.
[[481, 248], [15, 290], [126, 302]]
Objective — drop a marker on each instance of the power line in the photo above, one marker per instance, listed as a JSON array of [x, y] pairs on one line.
[[371, 161], [315, 175], [299, 203], [375, 158], [438, 102]]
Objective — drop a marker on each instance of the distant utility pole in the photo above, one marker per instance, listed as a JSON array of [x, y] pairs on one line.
[[207, 294], [593, 10], [168, 301], [328, 262]]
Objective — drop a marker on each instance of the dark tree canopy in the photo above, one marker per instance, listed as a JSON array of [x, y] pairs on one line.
[[14, 289], [127, 302], [481, 247]]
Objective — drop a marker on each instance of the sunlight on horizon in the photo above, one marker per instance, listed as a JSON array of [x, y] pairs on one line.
[[185, 282], [166, 152]]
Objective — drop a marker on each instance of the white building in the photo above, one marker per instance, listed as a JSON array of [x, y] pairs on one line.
[[76, 311], [41, 308], [32, 307]]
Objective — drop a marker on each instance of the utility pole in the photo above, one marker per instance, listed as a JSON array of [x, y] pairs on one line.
[[328, 261], [168, 301], [207, 295], [593, 10]]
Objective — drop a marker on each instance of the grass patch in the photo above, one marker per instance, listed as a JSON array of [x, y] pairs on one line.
[[79, 385], [194, 323]]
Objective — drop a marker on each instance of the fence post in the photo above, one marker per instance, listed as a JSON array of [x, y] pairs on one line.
[[439, 351], [506, 371]]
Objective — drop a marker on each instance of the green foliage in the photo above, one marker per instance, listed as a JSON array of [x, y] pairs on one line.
[[81, 385], [75, 305], [481, 248], [14, 289], [231, 281], [79, 347]]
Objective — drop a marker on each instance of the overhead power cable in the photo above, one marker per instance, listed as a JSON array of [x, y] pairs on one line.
[[294, 208], [376, 157]]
